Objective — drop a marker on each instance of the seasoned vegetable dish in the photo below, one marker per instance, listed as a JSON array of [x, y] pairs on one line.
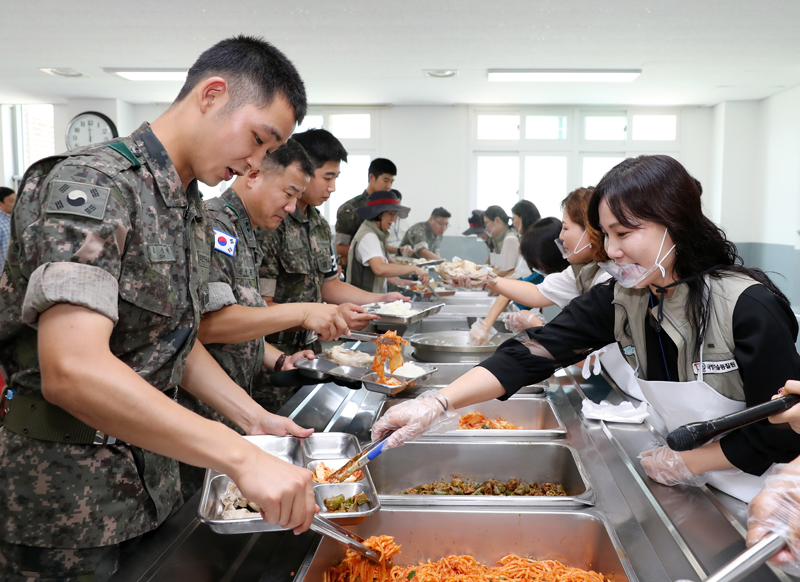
[[461, 486]]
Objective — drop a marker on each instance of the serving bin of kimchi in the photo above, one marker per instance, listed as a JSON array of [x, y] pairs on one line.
[[333, 449], [533, 419], [580, 539]]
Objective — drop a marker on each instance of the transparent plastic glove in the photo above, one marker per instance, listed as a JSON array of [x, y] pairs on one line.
[[777, 510], [428, 412], [591, 365], [480, 333], [407, 250], [666, 466], [520, 321]]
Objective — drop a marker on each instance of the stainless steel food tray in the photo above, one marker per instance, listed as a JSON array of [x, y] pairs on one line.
[[370, 381], [334, 448], [427, 461], [423, 310], [322, 367], [452, 346], [406, 261], [537, 415], [582, 539]]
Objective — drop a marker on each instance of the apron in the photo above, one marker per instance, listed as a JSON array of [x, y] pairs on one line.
[[679, 403]]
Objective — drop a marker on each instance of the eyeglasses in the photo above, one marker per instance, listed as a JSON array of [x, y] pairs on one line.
[[444, 225]]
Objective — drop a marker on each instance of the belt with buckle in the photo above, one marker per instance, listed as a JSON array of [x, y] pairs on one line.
[[36, 418]]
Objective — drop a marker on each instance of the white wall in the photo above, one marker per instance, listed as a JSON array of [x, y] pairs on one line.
[[429, 146], [778, 176]]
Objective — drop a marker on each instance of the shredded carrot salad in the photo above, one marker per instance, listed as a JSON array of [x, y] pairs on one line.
[[511, 568]]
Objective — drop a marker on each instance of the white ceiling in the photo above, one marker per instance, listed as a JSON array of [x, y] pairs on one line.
[[373, 51]]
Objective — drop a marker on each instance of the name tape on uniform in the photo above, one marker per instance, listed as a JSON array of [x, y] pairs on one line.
[[79, 199], [720, 367], [225, 243]]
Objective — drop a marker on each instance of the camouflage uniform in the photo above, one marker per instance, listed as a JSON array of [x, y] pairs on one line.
[[298, 259], [347, 221], [232, 281], [109, 228], [421, 236]]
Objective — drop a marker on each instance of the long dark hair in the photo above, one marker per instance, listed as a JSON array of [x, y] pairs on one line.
[[537, 247], [659, 189], [527, 212]]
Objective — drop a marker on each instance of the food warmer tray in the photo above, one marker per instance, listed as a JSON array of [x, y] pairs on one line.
[[333, 448], [406, 261], [321, 367], [453, 346], [421, 462], [423, 309], [426, 293], [582, 539], [537, 415]]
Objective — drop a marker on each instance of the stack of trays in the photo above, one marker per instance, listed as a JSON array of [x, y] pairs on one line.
[[333, 448]]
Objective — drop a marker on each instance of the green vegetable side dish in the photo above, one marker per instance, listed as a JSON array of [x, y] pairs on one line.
[[339, 504], [460, 486]]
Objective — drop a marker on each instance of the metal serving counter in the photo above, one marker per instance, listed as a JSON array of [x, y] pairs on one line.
[[667, 533]]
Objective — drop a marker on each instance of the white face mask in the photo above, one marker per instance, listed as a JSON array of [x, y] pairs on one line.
[[564, 253], [630, 275]]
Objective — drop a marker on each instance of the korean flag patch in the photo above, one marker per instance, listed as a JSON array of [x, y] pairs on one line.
[[225, 243]]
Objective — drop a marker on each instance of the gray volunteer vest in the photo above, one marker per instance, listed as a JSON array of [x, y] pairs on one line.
[[584, 275], [721, 373], [359, 275], [498, 241]]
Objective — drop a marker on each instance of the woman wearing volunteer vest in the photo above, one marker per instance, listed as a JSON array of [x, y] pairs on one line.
[[368, 265], [706, 335]]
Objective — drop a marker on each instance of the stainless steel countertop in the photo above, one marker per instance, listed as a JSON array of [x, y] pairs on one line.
[[668, 533]]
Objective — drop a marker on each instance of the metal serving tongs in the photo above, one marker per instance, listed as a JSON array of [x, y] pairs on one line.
[[368, 337], [343, 536], [359, 461], [748, 560]]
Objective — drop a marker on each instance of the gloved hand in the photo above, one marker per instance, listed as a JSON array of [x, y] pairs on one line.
[[480, 333], [519, 321], [428, 412], [591, 365], [407, 250], [777, 510], [666, 466]]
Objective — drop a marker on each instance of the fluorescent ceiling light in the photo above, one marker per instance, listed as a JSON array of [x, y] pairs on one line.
[[61, 71], [563, 75], [150, 74], [440, 73]]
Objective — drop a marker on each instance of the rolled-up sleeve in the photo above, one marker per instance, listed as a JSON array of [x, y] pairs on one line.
[[83, 285], [219, 295], [585, 325]]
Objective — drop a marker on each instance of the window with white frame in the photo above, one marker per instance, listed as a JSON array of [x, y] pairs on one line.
[[543, 153], [33, 136]]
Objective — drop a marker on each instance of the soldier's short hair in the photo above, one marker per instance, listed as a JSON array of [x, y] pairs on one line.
[[255, 72], [321, 146], [380, 166], [285, 156], [440, 213], [5, 193]]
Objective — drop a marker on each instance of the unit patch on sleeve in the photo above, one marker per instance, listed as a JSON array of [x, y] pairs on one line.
[[80, 199], [225, 243]]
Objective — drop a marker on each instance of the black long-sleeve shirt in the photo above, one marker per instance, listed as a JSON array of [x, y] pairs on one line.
[[764, 332]]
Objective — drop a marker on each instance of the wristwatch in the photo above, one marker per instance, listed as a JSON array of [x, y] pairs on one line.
[[279, 362]]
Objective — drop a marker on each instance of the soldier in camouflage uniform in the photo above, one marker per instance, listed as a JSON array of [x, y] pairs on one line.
[[100, 302], [299, 263], [237, 317], [381, 175], [425, 237]]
